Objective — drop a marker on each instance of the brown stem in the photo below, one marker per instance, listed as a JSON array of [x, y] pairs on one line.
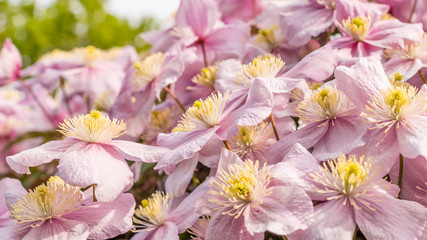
[[412, 11], [31, 93], [227, 145], [273, 124], [204, 53], [399, 182], [174, 98], [93, 191], [422, 76]]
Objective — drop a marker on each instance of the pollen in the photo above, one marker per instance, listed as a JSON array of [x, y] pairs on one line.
[[251, 141], [266, 66], [93, 127], [203, 114], [325, 103], [45, 202], [357, 27], [240, 185], [147, 70], [394, 105], [206, 77], [152, 212]]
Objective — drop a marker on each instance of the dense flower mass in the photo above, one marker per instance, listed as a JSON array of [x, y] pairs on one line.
[[246, 119]]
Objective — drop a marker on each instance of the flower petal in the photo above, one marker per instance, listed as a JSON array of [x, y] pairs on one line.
[[137, 151], [59, 229]]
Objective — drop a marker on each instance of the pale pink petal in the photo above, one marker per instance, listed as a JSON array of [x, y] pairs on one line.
[[392, 219], [332, 220], [343, 135], [10, 232], [228, 158], [171, 71], [183, 144], [412, 137], [319, 65], [177, 182], [166, 231], [185, 215], [295, 169], [388, 33], [160, 40], [59, 229], [362, 81], [137, 151], [85, 164], [10, 62], [228, 41], [306, 136], [378, 140], [285, 211], [224, 227], [45, 153], [282, 84], [106, 220], [345, 9], [209, 154], [7, 185], [199, 15], [257, 107], [407, 67]]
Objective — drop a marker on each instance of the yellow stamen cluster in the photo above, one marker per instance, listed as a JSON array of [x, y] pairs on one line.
[[252, 140], [266, 67], [147, 71], [93, 127], [394, 105], [45, 202], [266, 38], [239, 186], [347, 177], [203, 114], [357, 27], [410, 51], [326, 103], [206, 77], [152, 212]]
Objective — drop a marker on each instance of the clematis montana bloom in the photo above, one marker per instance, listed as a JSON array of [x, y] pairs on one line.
[[56, 210], [89, 156]]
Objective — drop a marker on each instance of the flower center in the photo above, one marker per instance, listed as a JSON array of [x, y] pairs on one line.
[[345, 176], [252, 140], [206, 77], [147, 71], [93, 127], [394, 105], [410, 51], [357, 27], [152, 212], [239, 186], [198, 230], [325, 103], [47, 201], [203, 114], [265, 67], [266, 38]]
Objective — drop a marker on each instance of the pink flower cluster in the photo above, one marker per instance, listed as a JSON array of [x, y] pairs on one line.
[[310, 117]]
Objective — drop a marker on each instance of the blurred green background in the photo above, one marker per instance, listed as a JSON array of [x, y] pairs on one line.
[[64, 25]]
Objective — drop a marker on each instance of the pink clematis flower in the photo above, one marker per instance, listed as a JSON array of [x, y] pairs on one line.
[[365, 34], [197, 24], [397, 112], [164, 217], [89, 156], [56, 210], [10, 62], [352, 192], [137, 97], [409, 59], [332, 125], [245, 196]]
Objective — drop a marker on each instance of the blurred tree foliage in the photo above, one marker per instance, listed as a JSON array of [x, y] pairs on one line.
[[65, 25]]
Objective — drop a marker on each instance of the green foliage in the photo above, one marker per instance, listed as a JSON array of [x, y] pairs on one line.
[[65, 25]]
